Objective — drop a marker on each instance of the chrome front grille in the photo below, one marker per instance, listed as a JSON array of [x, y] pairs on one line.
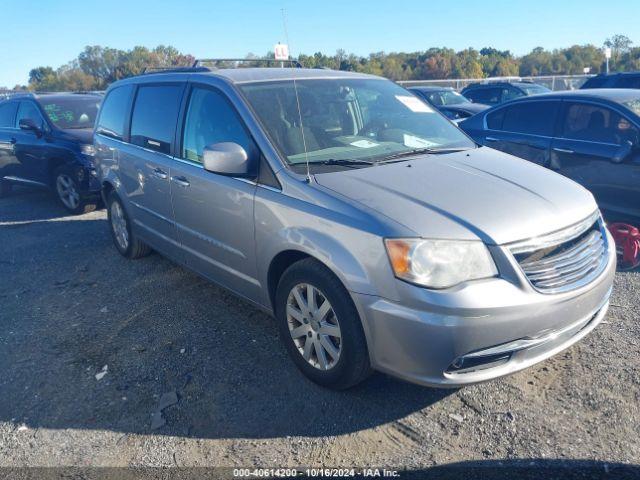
[[565, 260]]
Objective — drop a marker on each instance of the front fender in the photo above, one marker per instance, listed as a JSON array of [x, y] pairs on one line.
[[332, 252], [354, 253], [111, 182]]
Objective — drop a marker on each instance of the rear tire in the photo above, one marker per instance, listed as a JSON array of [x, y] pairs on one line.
[[345, 360], [125, 241], [66, 188], [5, 188]]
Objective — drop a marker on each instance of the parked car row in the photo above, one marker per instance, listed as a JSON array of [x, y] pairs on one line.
[[377, 233], [494, 93], [475, 97], [451, 103]]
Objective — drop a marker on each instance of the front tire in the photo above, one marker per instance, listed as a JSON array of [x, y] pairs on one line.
[[68, 192], [320, 326], [125, 241]]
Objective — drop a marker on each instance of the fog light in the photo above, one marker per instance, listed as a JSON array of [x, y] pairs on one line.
[[466, 364]]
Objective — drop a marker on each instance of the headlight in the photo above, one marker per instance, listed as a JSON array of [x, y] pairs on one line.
[[88, 150], [439, 263]]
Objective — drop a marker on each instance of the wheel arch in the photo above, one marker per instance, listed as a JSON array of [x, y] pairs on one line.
[[326, 250], [105, 189], [278, 266], [284, 259], [53, 165]]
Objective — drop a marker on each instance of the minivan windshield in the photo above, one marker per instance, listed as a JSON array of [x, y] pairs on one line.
[[71, 111], [346, 119]]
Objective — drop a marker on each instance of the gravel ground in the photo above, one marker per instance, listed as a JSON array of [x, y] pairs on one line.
[[93, 346]]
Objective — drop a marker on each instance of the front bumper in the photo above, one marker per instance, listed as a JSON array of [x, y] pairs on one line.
[[479, 331], [88, 182]]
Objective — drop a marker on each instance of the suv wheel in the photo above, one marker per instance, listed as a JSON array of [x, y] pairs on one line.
[[320, 326], [5, 188], [125, 241], [68, 192]]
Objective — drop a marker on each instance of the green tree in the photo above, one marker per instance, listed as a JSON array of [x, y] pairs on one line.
[[96, 67], [619, 45], [40, 73]]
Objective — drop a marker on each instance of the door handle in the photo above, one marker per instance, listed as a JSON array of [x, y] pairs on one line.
[[161, 174], [492, 139], [183, 182], [562, 150]]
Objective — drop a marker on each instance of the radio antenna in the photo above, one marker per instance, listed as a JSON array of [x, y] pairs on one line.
[[295, 89]]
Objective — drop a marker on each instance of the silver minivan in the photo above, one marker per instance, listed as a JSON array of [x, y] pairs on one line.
[[375, 231]]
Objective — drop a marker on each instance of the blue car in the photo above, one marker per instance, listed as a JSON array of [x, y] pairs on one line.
[[46, 141], [590, 136]]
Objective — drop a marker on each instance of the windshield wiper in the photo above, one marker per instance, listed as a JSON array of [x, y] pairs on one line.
[[418, 151], [341, 161]]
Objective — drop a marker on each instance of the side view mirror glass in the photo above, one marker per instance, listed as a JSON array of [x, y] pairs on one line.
[[29, 124], [624, 152], [226, 158]]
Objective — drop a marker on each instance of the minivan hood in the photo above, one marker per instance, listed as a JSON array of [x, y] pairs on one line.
[[480, 193]]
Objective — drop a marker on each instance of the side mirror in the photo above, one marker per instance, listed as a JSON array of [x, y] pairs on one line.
[[624, 151], [29, 124], [226, 158]]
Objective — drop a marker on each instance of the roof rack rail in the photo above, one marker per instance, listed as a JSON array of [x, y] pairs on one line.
[[150, 70], [198, 63], [6, 95]]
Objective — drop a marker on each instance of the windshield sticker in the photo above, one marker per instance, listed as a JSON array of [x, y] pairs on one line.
[[417, 142], [414, 104], [364, 144], [55, 113]]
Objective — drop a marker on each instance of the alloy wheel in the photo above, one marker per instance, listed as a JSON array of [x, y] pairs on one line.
[[67, 191], [119, 225], [313, 326]]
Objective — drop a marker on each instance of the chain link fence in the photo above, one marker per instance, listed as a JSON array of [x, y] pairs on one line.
[[553, 82]]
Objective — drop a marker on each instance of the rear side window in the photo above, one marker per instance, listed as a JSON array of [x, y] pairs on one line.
[[434, 98], [8, 114], [595, 82], [114, 112], [488, 96], [211, 119], [495, 119], [533, 118], [511, 93], [155, 114], [629, 82], [595, 123]]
